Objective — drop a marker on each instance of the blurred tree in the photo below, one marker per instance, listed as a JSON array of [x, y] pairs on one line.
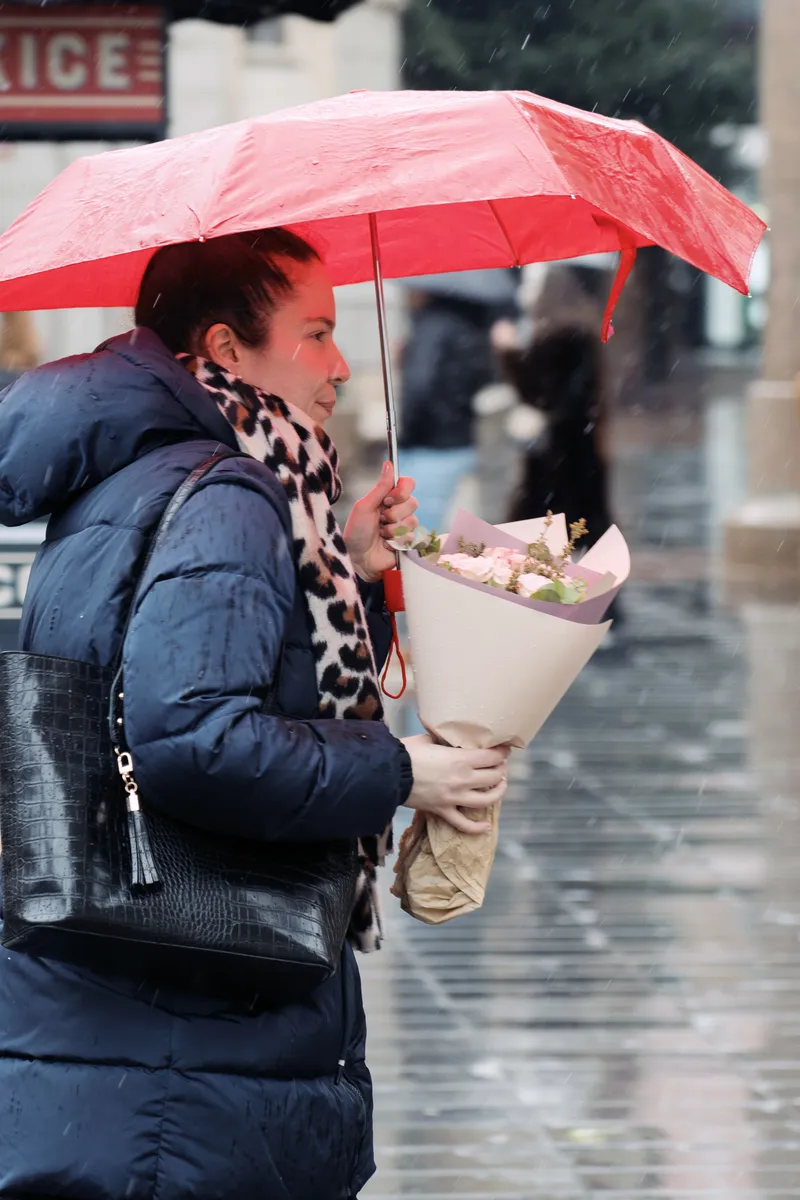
[[224, 12], [681, 66]]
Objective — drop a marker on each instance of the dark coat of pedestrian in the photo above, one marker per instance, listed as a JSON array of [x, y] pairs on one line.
[[564, 468], [446, 360], [112, 1089]]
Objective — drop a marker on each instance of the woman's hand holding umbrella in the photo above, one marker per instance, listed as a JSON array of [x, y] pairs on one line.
[[374, 521]]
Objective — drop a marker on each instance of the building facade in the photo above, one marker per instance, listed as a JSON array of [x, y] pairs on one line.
[[216, 75]]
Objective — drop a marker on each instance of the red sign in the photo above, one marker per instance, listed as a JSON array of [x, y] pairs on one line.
[[77, 71]]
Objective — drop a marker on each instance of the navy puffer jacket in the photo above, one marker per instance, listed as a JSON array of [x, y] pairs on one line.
[[110, 1089]]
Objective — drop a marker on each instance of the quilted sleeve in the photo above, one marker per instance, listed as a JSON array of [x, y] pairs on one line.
[[200, 656]]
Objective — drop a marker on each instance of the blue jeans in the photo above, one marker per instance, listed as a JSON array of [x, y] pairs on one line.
[[437, 474]]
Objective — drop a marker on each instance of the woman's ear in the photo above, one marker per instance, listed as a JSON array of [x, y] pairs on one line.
[[221, 345]]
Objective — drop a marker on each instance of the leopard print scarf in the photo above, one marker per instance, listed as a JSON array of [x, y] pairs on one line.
[[305, 461]]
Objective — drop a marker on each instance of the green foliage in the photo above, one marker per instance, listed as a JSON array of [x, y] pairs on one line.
[[425, 542], [681, 66], [473, 549]]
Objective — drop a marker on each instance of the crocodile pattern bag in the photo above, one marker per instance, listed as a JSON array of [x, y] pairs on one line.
[[89, 878]]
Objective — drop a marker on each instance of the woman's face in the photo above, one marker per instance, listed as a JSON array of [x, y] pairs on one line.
[[299, 361]]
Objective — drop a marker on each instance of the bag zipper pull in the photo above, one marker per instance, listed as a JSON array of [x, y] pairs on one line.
[[144, 876]]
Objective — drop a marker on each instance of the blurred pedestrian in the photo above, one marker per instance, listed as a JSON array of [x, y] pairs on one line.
[[113, 1087], [445, 361], [564, 469]]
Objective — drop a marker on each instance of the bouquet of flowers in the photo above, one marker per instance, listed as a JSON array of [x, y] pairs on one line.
[[501, 622]]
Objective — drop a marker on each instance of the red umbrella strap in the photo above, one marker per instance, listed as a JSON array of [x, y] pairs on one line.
[[627, 259], [395, 649]]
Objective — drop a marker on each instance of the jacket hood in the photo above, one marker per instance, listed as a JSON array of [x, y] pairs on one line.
[[67, 425]]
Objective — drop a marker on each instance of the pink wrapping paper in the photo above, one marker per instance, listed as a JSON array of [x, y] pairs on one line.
[[489, 669]]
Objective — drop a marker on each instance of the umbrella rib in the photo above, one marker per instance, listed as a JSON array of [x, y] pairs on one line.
[[221, 179], [493, 208]]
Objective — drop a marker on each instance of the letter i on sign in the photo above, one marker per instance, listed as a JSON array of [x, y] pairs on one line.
[[28, 64]]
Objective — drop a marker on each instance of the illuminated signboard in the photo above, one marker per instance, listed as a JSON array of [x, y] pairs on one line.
[[82, 72]]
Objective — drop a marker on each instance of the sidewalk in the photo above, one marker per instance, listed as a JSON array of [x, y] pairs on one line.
[[622, 1019]]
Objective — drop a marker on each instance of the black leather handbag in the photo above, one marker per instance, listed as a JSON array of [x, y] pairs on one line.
[[90, 879]]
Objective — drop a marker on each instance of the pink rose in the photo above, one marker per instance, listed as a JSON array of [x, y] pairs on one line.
[[531, 583], [502, 573], [478, 569]]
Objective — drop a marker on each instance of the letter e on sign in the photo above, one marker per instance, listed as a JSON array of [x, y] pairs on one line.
[[113, 71]]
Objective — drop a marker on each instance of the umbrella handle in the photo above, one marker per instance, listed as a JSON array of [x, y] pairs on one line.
[[393, 591], [395, 603]]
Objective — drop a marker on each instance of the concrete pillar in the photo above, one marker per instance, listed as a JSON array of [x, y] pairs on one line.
[[762, 541]]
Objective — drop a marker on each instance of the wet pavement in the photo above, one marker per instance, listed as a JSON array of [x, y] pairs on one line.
[[623, 1016]]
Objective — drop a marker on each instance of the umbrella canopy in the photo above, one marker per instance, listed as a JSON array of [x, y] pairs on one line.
[[491, 289], [456, 181], [223, 12]]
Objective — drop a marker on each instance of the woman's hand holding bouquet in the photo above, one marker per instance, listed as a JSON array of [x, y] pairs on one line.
[[457, 786]]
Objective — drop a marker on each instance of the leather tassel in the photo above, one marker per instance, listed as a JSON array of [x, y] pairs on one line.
[[144, 876]]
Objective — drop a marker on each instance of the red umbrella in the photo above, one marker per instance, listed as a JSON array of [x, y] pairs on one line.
[[398, 183], [394, 184]]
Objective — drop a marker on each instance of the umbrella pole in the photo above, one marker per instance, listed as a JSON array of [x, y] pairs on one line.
[[392, 580], [383, 333]]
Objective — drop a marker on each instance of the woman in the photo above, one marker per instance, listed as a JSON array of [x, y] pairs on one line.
[[446, 359], [108, 1088]]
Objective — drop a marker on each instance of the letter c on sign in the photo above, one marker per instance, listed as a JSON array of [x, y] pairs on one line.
[[8, 596], [66, 69]]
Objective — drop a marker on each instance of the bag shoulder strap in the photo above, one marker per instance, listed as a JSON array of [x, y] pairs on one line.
[[186, 489]]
